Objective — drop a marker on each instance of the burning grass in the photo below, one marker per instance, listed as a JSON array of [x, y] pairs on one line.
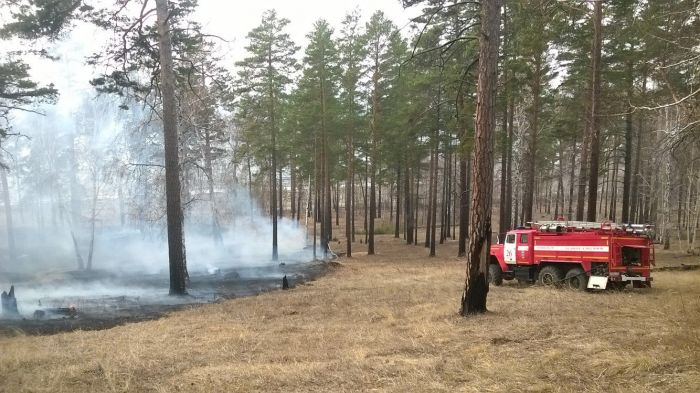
[[386, 323]]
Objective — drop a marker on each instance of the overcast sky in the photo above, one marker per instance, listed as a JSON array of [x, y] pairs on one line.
[[234, 19], [231, 20]]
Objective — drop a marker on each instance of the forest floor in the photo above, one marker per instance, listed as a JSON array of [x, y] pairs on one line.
[[387, 323]]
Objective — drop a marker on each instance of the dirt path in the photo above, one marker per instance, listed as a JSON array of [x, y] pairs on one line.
[[386, 323]]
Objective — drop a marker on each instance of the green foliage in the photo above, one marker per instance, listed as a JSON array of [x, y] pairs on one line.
[[19, 92], [263, 78], [132, 57], [34, 19]]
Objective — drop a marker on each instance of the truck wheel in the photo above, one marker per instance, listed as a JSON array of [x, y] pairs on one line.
[[495, 275], [550, 276], [576, 279]]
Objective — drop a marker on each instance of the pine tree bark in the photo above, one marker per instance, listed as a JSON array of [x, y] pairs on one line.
[[627, 178], [595, 109], [216, 227], [502, 226], [316, 195], [93, 219], [280, 190], [634, 187], [365, 191], [529, 186], [349, 197], [408, 205], [464, 169], [398, 201], [11, 247], [476, 286], [416, 199], [572, 178], [434, 175], [176, 244], [429, 215], [292, 189], [433, 210], [374, 151]]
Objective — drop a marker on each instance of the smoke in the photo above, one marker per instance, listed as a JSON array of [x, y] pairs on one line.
[[130, 267], [85, 152]]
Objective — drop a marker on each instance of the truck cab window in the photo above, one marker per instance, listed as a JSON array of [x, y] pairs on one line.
[[523, 238], [631, 256], [510, 239]]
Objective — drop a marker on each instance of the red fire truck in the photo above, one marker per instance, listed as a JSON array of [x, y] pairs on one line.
[[578, 255]]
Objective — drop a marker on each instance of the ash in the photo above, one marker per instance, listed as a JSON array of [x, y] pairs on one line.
[[99, 299]]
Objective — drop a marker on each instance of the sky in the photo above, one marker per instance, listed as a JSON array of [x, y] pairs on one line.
[[230, 20], [234, 19]]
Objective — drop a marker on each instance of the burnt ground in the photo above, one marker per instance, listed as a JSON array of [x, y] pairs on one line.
[[145, 296]]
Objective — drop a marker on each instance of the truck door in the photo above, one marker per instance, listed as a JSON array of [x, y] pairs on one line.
[[509, 249], [522, 255]]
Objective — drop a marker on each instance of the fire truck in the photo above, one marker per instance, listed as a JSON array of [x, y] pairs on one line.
[[575, 254]]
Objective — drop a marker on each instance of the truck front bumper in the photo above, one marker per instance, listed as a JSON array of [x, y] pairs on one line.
[[624, 277], [601, 282]]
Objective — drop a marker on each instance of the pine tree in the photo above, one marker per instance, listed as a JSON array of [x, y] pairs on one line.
[[379, 31], [476, 285], [266, 73], [320, 85], [351, 51]]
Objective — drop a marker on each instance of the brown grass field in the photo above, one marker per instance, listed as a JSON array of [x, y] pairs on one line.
[[387, 323]]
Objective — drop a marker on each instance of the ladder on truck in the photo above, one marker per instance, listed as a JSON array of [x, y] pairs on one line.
[[562, 226], [581, 225]]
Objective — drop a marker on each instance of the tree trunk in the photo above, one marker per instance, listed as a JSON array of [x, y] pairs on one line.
[[455, 200], [11, 248], [292, 189], [628, 148], [464, 169], [502, 211], [434, 176], [595, 109], [433, 210], [93, 218], [398, 201], [572, 178], [612, 216], [583, 174], [634, 187], [374, 151], [365, 191], [379, 192], [429, 216], [336, 204], [280, 190], [176, 244], [416, 202], [216, 227], [476, 285], [349, 196], [408, 205], [316, 196], [300, 188], [529, 186], [352, 214], [560, 184]]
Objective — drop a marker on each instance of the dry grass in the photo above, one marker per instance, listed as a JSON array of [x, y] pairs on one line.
[[386, 323]]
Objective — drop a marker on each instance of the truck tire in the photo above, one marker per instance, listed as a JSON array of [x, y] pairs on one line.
[[576, 279], [495, 275], [550, 276]]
